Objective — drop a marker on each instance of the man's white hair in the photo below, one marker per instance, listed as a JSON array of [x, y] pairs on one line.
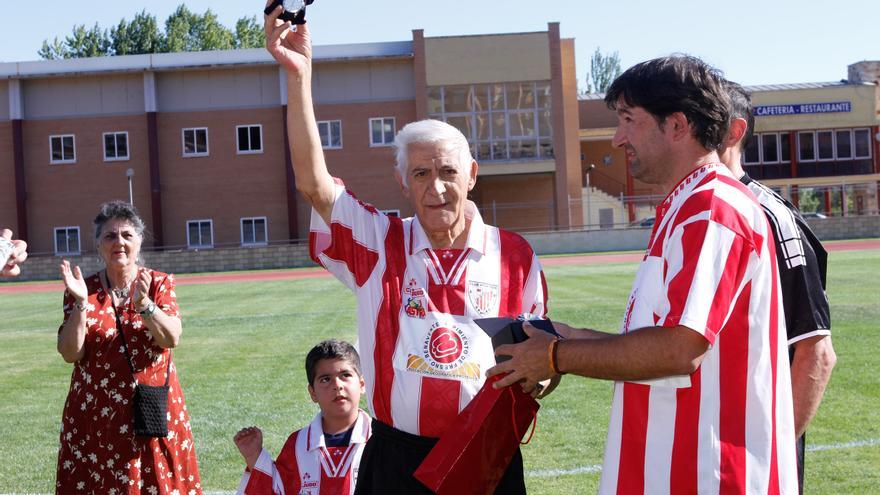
[[433, 132]]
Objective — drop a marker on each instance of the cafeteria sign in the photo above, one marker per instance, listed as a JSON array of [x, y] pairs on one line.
[[802, 108]]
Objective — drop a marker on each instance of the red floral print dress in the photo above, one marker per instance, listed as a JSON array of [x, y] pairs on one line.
[[99, 451]]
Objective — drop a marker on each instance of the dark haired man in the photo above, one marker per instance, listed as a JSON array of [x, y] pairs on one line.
[[702, 398], [802, 262]]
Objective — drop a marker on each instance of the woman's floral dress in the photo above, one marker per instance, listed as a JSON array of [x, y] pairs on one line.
[[99, 451]]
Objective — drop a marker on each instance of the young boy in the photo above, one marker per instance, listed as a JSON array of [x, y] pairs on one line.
[[322, 458]]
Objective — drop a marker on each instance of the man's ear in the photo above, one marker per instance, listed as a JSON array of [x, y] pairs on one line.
[[312, 394], [736, 132], [403, 188], [472, 181], [677, 124]]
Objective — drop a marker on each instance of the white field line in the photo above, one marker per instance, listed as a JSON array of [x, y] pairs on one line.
[[548, 473]]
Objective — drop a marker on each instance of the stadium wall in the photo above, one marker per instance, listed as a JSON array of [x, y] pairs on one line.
[[297, 255]]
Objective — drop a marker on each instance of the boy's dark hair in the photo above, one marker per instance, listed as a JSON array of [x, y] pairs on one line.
[[331, 349], [741, 108], [678, 83]]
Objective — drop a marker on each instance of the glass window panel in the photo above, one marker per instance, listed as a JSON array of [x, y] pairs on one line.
[[189, 140], [806, 146], [483, 151], [60, 241], [247, 231], [520, 95], [771, 153], [260, 230], [496, 94], [462, 123], [523, 149], [255, 138], [388, 128], [435, 99], [67, 154], [785, 147], [481, 126], [844, 144], [545, 146], [376, 130], [499, 150], [499, 125], [457, 99], [522, 124], [243, 139], [73, 240], [863, 143], [545, 123], [543, 91], [323, 132], [201, 141], [109, 146], [481, 97], [751, 154], [193, 232], [825, 145], [336, 134], [56, 148], [122, 145]]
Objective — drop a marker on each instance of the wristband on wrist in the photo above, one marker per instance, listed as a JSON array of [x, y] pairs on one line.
[[79, 306], [553, 356], [148, 311]]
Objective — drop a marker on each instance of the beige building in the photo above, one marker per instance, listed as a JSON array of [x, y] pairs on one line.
[[199, 138]]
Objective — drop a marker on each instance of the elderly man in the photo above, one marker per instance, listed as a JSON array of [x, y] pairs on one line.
[[802, 262], [419, 281], [702, 397], [13, 252]]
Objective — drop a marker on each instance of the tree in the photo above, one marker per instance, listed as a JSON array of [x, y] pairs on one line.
[[248, 33], [178, 31], [209, 34], [140, 36], [94, 42], [53, 51], [604, 69]]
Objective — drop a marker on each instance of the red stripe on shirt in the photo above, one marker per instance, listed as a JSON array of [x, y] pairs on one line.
[[733, 358], [343, 247], [387, 322], [516, 261], [683, 475], [774, 354], [735, 267], [633, 436]]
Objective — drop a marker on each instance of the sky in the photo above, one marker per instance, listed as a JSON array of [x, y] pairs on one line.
[[753, 42]]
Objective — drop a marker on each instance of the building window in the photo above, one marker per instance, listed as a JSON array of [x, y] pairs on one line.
[[862, 138], [752, 155], [769, 148], [62, 149], [253, 231], [67, 240], [250, 138], [382, 131], [807, 146], [825, 145], [331, 133], [199, 234], [503, 121], [843, 144], [195, 141], [115, 146]]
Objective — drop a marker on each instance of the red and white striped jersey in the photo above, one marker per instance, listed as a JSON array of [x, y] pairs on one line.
[[729, 426], [422, 356], [307, 466]]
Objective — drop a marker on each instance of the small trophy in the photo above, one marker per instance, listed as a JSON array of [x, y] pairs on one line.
[[294, 10]]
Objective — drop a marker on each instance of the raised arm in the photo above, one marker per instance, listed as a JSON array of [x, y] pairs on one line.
[[292, 49]]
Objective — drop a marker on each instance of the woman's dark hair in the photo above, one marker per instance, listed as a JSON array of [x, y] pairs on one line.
[[119, 210], [331, 349], [678, 83], [741, 108]]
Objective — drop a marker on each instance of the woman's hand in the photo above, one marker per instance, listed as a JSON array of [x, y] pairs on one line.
[[74, 282], [250, 443], [292, 48], [141, 293]]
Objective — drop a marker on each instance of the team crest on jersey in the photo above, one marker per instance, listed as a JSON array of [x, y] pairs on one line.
[[445, 352], [482, 296], [307, 485], [415, 300]]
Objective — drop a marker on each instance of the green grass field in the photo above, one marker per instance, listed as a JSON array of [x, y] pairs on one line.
[[241, 363]]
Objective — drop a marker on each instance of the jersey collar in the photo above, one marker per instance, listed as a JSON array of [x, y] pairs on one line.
[[360, 433]]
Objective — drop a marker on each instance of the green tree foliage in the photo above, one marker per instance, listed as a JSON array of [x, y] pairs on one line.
[[248, 33], [185, 31], [604, 69]]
